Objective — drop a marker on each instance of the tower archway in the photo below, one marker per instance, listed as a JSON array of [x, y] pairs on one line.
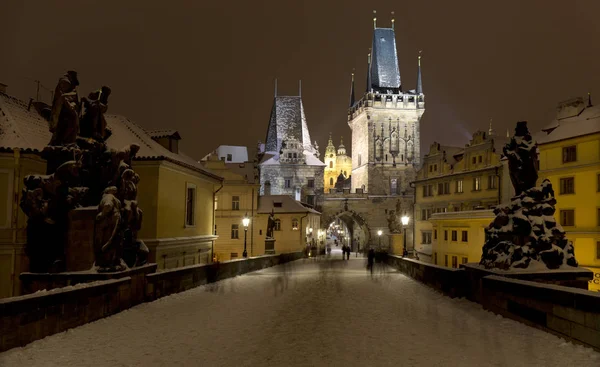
[[354, 223]]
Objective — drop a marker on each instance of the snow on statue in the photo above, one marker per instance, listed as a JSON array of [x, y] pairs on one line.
[[524, 233]]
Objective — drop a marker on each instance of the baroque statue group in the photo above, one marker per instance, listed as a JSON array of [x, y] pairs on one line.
[[83, 172]]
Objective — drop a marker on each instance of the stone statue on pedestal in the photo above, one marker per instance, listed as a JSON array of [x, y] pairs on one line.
[[525, 232], [82, 171], [271, 224]]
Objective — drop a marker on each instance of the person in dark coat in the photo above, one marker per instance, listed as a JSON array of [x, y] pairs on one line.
[[371, 259]]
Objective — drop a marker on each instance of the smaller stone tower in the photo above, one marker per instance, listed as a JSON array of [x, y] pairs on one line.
[[331, 171]]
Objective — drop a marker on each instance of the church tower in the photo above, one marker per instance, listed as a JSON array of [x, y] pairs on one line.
[[331, 171], [385, 122]]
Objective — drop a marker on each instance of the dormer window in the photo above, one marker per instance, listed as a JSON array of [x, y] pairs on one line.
[[169, 139]]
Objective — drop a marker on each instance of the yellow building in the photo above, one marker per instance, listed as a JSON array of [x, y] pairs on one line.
[[237, 198], [336, 163], [296, 224], [458, 179], [458, 237], [175, 192], [569, 153]]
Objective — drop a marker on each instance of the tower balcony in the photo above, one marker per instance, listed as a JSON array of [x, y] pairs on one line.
[[398, 101]]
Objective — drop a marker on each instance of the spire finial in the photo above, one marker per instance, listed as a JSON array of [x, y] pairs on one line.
[[589, 99], [352, 100], [275, 87], [369, 71], [419, 80], [490, 131], [507, 133], [374, 19], [342, 140], [393, 20], [300, 88]]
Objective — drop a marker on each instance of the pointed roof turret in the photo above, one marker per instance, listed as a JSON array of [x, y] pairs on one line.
[[341, 147], [419, 80], [330, 149], [352, 100], [384, 70], [491, 131]]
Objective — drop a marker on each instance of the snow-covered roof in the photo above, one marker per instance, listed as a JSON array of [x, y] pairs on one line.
[[282, 204], [385, 72], [25, 129], [20, 127], [272, 158], [587, 122], [239, 154], [166, 133], [287, 122]]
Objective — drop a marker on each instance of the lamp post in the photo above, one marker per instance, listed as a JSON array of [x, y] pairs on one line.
[[404, 220], [379, 233], [245, 222]]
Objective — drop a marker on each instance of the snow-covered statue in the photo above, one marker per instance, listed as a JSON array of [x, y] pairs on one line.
[[93, 123], [82, 172], [524, 233], [64, 118], [521, 153]]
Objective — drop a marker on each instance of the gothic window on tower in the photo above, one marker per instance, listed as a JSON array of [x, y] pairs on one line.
[[310, 199], [311, 182], [287, 182], [378, 150]]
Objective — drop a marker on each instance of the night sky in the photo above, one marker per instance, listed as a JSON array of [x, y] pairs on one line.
[[206, 68]]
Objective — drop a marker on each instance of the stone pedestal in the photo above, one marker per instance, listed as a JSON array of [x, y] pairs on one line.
[[396, 241], [269, 246], [79, 247]]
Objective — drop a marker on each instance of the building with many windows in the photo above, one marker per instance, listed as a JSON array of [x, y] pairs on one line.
[[454, 179], [237, 199], [569, 153]]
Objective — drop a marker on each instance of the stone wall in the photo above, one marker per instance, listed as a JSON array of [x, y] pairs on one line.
[[34, 316], [179, 280], [451, 282], [570, 313], [556, 302]]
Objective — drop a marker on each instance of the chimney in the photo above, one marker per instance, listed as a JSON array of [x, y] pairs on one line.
[[3, 88]]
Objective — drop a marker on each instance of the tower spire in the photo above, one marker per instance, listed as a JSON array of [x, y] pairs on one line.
[[419, 80], [374, 19], [393, 20], [369, 71], [352, 100], [490, 130]]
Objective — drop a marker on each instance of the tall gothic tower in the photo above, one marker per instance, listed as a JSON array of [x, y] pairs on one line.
[[289, 163], [385, 122]]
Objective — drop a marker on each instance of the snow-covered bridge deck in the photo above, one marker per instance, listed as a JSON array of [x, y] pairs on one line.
[[307, 313]]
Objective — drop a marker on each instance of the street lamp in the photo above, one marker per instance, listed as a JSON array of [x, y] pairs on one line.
[[245, 222], [404, 220], [379, 233]]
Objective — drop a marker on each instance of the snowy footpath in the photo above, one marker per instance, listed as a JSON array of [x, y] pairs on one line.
[[307, 313]]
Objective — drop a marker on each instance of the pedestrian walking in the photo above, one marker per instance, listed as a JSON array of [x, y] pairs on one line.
[[371, 259]]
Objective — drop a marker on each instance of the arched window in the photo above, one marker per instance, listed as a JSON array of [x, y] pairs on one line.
[[294, 224], [330, 164], [331, 181], [277, 225]]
